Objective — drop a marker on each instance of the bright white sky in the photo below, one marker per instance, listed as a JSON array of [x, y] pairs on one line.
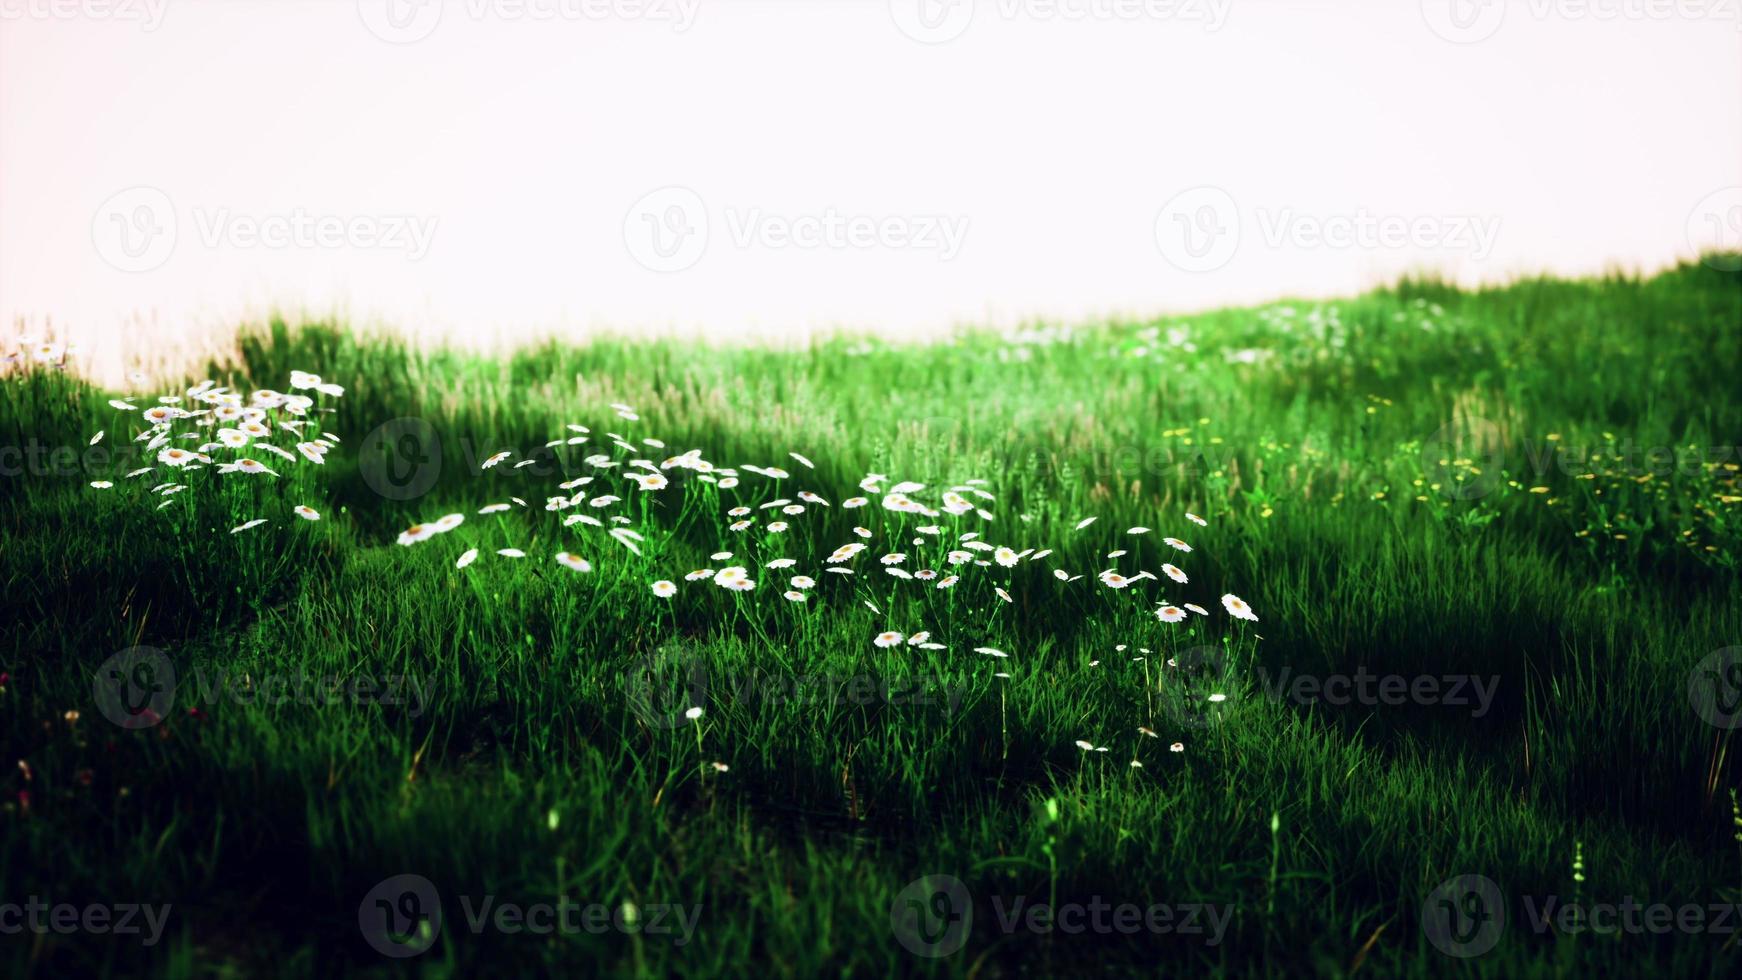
[[487, 172]]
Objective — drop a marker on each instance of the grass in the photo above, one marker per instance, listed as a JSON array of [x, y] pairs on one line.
[[1420, 482]]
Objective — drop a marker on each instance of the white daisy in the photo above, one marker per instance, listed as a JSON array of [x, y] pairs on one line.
[[664, 588], [1238, 608], [888, 639], [306, 512], [248, 466], [575, 562]]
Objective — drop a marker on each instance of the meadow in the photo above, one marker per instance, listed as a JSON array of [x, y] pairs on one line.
[[1352, 637]]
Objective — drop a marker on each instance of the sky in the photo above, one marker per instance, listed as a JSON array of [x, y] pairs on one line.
[[500, 169]]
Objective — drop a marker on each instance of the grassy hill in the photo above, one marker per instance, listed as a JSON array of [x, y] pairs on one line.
[[1490, 540]]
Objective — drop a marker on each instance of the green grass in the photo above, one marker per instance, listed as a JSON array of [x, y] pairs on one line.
[[1379, 483]]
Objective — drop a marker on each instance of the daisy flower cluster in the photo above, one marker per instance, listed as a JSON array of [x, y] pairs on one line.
[[41, 352], [232, 434], [782, 533]]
